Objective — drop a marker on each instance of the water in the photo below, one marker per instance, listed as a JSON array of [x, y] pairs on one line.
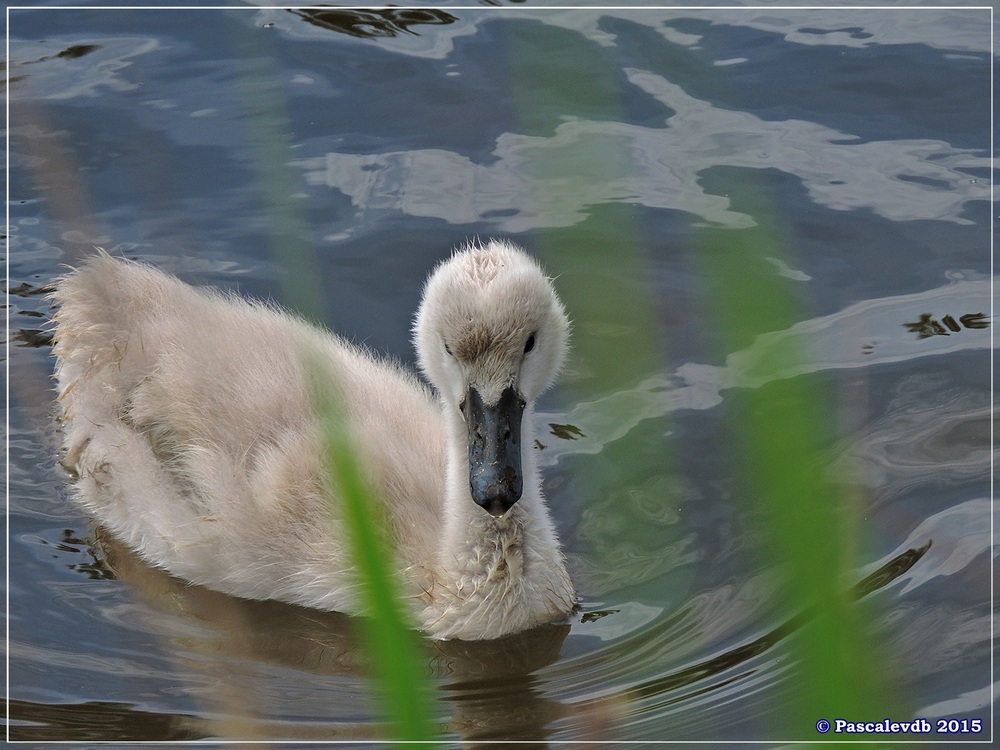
[[284, 154]]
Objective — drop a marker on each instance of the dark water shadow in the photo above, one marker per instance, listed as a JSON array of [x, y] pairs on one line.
[[375, 23]]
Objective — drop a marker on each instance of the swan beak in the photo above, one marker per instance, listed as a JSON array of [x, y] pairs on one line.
[[495, 450]]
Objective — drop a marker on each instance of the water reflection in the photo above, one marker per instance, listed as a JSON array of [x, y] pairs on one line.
[[931, 431], [489, 685], [385, 22], [928, 326], [99, 721], [494, 690], [889, 572], [864, 334], [666, 169]]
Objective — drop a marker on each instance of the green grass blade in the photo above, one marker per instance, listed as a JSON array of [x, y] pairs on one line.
[[399, 667], [781, 430], [398, 664]]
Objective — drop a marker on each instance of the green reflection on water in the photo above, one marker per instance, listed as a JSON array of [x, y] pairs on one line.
[[780, 432]]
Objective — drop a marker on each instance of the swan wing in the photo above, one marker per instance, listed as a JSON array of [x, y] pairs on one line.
[[189, 420]]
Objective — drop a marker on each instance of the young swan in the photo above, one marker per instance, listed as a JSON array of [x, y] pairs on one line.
[[189, 423]]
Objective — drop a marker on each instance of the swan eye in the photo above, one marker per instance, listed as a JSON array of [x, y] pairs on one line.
[[448, 349], [529, 344], [461, 407]]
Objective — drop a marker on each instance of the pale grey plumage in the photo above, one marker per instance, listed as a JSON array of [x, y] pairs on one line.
[[188, 419]]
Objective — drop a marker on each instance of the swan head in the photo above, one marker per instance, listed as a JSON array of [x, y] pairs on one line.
[[491, 335]]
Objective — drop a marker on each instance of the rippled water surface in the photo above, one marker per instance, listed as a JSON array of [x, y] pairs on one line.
[[327, 159]]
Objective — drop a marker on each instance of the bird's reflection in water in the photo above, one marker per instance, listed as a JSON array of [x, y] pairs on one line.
[[489, 686]]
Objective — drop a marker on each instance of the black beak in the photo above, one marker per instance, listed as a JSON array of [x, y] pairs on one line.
[[495, 450]]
